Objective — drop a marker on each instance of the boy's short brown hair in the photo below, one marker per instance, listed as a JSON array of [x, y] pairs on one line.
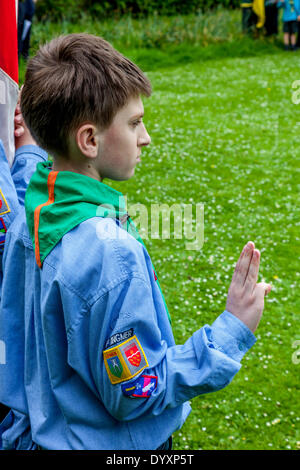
[[75, 79]]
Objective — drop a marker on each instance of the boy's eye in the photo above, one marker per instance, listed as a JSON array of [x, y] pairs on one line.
[[136, 123]]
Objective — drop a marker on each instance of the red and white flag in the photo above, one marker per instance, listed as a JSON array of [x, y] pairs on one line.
[[9, 88]]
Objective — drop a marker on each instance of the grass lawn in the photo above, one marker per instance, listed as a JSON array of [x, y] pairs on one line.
[[225, 133]]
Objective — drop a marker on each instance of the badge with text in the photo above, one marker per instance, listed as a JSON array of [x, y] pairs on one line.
[[118, 338], [4, 207], [125, 360], [142, 387]]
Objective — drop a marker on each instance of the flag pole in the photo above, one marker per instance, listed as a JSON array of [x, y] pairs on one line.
[[9, 89]]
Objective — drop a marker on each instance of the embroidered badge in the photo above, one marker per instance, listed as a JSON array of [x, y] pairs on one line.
[[115, 366], [2, 235], [118, 338], [124, 361], [141, 387], [2, 232], [4, 207], [133, 354]]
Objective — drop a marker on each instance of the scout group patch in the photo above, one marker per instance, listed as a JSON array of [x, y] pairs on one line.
[[2, 234], [142, 387], [118, 338], [125, 360], [4, 207]]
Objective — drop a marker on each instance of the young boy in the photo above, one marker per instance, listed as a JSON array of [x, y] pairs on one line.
[[8, 208], [13, 182], [91, 358], [291, 15]]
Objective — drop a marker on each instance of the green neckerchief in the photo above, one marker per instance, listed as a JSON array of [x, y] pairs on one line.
[[74, 199]]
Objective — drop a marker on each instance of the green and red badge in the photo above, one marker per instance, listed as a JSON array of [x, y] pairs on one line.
[[125, 360]]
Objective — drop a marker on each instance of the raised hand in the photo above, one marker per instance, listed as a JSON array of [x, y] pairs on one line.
[[245, 297]]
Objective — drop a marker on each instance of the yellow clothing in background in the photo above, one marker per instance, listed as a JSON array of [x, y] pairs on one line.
[[259, 9]]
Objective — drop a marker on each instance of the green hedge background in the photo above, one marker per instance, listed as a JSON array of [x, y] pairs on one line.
[[73, 9]]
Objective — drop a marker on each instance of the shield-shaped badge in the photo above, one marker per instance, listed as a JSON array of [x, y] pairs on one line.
[[133, 354], [115, 366], [125, 360]]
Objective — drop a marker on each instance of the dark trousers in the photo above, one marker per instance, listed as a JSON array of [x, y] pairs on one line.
[[25, 12], [3, 412], [165, 446], [271, 23], [249, 20], [25, 44], [298, 35]]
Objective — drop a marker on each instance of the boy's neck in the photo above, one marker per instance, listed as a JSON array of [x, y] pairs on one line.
[[76, 167]]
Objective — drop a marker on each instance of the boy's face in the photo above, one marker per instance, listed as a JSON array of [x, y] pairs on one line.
[[120, 145]]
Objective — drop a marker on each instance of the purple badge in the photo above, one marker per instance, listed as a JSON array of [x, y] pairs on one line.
[[141, 387]]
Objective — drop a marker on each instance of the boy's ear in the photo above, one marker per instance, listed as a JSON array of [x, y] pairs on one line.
[[87, 140]]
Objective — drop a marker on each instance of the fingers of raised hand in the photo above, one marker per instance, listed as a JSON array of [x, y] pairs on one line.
[[19, 131], [252, 274], [18, 122], [243, 264]]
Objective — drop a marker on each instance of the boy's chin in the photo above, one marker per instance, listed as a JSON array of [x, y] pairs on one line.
[[124, 177]]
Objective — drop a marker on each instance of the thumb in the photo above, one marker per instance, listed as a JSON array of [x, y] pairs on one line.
[[264, 288]]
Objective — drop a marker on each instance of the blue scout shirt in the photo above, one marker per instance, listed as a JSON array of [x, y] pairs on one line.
[[291, 9], [13, 183], [9, 205], [91, 358]]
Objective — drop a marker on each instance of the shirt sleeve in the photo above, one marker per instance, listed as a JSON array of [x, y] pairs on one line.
[[13, 185], [9, 205], [137, 373], [26, 159]]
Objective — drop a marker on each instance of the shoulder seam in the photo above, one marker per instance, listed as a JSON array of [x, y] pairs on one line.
[[128, 277], [89, 306]]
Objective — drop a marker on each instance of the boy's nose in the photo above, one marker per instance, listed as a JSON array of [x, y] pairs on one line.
[[145, 138]]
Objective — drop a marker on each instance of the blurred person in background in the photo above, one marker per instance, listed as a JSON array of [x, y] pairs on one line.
[[249, 18], [25, 15], [290, 18], [253, 16], [271, 23]]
